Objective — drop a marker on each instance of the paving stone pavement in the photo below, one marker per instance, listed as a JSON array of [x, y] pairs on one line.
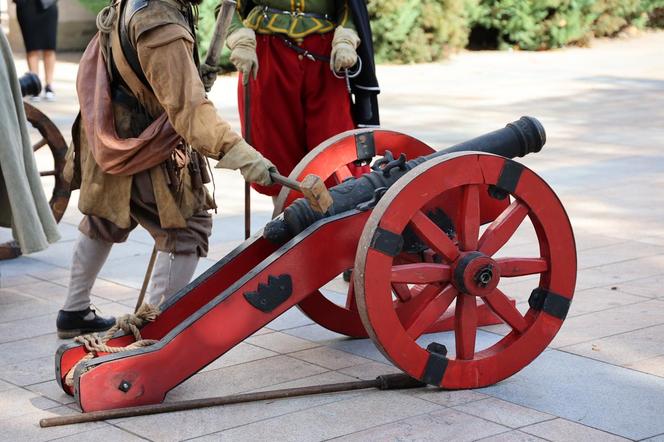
[[602, 377]]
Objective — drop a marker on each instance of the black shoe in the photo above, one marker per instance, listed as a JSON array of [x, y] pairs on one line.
[[72, 324]]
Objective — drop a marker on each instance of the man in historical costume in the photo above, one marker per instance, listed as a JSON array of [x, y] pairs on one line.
[[295, 59], [23, 205], [144, 126]]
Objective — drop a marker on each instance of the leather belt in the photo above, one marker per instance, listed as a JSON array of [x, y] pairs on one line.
[[296, 14], [301, 51]]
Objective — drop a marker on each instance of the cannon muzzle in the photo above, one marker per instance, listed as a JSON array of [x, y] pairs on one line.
[[517, 139]]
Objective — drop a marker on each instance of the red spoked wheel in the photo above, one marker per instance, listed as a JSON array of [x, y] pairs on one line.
[[330, 162], [467, 272], [51, 138]]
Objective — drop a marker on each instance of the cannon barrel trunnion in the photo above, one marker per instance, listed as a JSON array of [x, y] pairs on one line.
[[426, 240]]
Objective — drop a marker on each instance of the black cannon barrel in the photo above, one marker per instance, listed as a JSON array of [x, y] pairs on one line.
[[517, 139]]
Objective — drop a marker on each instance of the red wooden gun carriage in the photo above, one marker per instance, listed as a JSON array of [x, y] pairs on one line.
[[422, 238]]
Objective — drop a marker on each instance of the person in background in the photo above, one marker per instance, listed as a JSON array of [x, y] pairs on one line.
[[306, 74], [38, 20]]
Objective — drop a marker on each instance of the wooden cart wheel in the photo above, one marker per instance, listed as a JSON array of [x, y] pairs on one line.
[[468, 272], [51, 137], [330, 162]]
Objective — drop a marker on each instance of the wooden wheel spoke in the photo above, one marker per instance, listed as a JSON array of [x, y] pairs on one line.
[[503, 307], [502, 228], [510, 267], [402, 291], [420, 273], [350, 297], [438, 240], [39, 144], [419, 300], [465, 326], [342, 173], [469, 218], [432, 312]]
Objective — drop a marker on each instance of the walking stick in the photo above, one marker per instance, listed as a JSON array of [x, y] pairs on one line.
[[146, 279], [247, 137]]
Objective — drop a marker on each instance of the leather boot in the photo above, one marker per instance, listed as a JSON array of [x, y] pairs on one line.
[[72, 324], [171, 273]]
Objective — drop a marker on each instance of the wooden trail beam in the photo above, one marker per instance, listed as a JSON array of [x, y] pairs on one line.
[[384, 382]]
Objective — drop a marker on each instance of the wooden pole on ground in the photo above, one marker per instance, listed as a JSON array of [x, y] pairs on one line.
[[385, 382]]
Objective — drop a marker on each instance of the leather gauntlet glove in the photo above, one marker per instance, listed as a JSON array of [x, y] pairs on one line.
[[253, 166], [242, 44], [209, 75], [344, 45]]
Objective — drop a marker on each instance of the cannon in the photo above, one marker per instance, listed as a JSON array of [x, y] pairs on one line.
[[423, 238]]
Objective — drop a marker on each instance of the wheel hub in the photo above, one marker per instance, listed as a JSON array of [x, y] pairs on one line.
[[475, 274]]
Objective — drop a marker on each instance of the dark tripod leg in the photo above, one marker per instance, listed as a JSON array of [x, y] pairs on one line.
[[247, 137]]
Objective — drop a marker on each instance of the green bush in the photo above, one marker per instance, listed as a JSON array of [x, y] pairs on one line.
[[204, 30], [545, 24], [94, 6], [412, 31], [536, 24], [419, 30]]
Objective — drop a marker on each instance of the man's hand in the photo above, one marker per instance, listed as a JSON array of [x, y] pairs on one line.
[[242, 44], [253, 166], [209, 75], [344, 45]]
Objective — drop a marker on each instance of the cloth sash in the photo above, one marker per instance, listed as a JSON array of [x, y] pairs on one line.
[[115, 155]]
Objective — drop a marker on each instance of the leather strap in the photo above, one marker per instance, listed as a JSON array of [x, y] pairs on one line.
[[133, 82]]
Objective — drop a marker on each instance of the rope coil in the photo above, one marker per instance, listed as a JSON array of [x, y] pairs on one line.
[[105, 22], [129, 323]]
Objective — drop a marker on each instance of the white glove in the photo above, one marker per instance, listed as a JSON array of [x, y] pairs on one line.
[[344, 45], [242, 44], [253, 166]]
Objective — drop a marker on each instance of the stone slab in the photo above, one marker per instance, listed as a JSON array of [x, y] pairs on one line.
[[291, 318], [446, 424], [240, 354], [653, 366], [329, 358], [573, 388], [253, 375], [512, 436], [25, 428], [194, 423], [564, 430], [367, 349], [314, 333], [280, 342], [503, 412], [108, 433], [624, 349], [448, 398], [334, 419], [610, 322]]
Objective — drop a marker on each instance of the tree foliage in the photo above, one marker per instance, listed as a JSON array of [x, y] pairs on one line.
[[412, 31]]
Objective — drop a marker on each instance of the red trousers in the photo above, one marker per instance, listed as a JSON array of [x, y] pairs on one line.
[[294, 104]]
